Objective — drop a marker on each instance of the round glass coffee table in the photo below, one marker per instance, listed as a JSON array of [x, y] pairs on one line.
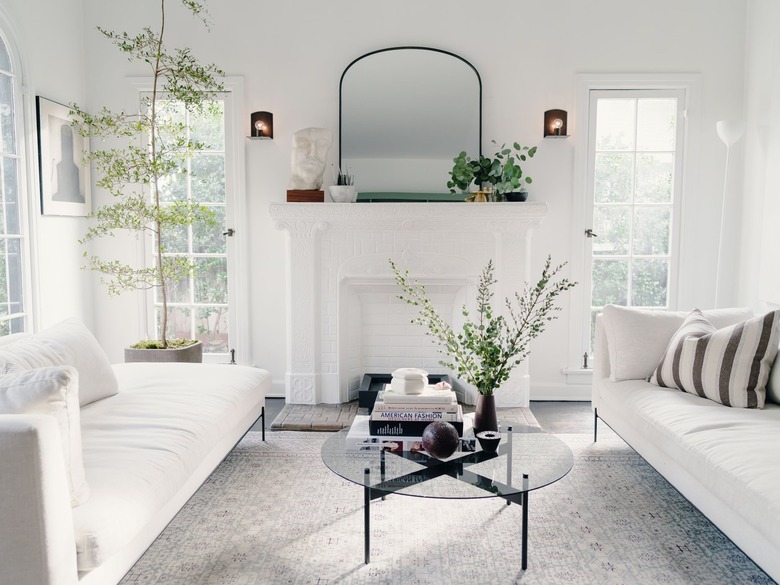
[[527, 459]]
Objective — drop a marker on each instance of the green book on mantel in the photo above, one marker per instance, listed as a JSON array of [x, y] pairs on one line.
[[398, 197]]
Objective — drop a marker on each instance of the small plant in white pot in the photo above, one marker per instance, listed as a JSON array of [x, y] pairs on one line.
[[145, 151], [344, 191]]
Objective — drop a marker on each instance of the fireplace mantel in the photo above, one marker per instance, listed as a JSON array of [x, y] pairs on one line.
[[330, 245]]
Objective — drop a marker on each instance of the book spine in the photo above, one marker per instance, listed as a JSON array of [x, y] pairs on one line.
[[445, 408], [381, 428], [416, 415]]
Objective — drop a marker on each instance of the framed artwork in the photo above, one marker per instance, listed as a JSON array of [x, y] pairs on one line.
[[65, 184]]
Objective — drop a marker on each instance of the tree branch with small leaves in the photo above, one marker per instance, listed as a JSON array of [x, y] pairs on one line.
[[489, 345]]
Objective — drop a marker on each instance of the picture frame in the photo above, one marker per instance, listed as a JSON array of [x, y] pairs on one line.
[[64, 179]]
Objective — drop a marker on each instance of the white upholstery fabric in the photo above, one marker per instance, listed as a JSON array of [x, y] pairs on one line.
[[36, 533], [773, 384], [66, 343], [733, 452], [636, 338], [52, 391], [142, 445]]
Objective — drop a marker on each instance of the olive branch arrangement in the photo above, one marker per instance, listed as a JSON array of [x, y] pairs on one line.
[[489, 346]]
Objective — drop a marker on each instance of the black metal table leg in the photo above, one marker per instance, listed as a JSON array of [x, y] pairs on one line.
[[366, 515], [524, 558]]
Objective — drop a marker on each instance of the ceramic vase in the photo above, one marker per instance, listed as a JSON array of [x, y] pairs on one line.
[[343, 193], [485, 418]]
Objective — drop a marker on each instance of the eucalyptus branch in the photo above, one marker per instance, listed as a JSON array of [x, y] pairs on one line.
[[489, 346]]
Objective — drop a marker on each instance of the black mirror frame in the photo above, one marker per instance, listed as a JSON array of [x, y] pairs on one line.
[[479, 82]]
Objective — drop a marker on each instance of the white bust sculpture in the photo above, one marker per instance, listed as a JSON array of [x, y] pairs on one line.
[[309, 153]]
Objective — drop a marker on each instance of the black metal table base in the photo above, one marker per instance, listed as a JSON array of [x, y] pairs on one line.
[[454, 468]]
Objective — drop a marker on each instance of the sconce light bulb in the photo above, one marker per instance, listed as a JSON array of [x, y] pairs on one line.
[[557, 123], [259, 127]]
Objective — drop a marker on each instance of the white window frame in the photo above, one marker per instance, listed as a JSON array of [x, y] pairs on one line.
[[236, 218], [689, 83], [29, 187]]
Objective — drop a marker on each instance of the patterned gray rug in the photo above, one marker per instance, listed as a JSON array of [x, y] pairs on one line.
[[273, 513]]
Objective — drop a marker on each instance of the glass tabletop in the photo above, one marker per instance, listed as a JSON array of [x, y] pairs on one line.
[[527, 459]]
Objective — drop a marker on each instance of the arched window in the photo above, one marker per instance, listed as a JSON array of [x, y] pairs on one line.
[[13, 310]]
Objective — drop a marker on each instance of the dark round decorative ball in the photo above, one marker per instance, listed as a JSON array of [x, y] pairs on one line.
[[440, 439]]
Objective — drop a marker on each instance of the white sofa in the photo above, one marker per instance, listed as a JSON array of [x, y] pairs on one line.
[[725, 461], [150, 434]]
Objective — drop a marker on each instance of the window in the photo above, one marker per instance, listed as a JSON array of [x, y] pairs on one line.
[[210, 305], [634, 169], [13, 268]]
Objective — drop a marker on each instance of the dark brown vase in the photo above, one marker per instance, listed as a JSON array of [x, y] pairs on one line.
[[485, 418]]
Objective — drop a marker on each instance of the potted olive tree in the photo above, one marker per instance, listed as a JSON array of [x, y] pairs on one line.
[[139, 154], [501, 175]]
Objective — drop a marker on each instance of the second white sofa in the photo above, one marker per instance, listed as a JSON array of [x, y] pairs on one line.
[[725, 461]]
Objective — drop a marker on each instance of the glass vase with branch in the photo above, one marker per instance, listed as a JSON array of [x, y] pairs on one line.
[[489, 345]]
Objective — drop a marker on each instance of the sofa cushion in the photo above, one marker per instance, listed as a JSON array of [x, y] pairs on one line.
[[637, 338], [729, 365], [170, 423], [66, 343], [731, 452], [52, 391]]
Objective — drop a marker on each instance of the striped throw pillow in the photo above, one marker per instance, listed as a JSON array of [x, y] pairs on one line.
[[729, 365]]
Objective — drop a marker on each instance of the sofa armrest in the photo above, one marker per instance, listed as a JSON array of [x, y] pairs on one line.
[[601, 368], [37, 545]]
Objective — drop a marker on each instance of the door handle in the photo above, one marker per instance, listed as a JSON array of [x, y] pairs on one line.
[[589, 233], [229, 233]]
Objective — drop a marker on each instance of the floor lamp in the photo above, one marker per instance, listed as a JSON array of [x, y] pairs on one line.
[[729, 131]]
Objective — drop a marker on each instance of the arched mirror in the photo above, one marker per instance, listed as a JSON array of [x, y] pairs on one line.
[[405, 113]]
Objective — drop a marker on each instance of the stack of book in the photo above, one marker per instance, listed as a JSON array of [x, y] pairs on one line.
[[407, 415], [398, 420]]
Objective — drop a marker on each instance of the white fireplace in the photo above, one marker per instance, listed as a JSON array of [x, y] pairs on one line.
[[343, 315]]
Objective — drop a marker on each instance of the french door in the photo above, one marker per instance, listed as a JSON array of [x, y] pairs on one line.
[[634, 182], [209, 305]]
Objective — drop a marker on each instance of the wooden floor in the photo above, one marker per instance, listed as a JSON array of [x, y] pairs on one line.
[[553, 417]]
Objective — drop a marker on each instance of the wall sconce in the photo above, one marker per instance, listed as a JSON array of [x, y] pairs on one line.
[[555, 124], [262, 126]]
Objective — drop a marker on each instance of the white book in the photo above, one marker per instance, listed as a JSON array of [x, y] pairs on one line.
[[429, 396], [360, 439]]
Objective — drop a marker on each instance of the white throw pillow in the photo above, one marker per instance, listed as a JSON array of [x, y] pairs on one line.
[[66, 343], [729, 365], [53, 391], [637, 338]]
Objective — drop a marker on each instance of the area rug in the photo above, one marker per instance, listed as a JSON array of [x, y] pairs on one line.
[[272, 513]]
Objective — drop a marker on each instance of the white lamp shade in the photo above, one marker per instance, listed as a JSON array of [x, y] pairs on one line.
[[729, 131]]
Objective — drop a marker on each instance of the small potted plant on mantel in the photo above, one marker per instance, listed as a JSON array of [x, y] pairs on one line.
[[500, 175], [344, 191], [147, 152]]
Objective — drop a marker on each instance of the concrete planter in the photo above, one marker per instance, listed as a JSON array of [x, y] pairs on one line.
[[190, 354]]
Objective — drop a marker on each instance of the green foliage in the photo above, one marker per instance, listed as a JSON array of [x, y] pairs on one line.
[[502, 173], [157, 344], [147, 152], [489, 346]]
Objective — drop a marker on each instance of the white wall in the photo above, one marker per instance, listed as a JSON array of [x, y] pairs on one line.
[[48, 36], [292, 54], [759, 197]]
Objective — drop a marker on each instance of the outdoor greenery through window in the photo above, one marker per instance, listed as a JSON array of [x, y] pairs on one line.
[[13, 318], [634, 146], [198, 305]]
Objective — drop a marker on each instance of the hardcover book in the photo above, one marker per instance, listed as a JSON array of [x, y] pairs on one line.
[[417, 415]]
